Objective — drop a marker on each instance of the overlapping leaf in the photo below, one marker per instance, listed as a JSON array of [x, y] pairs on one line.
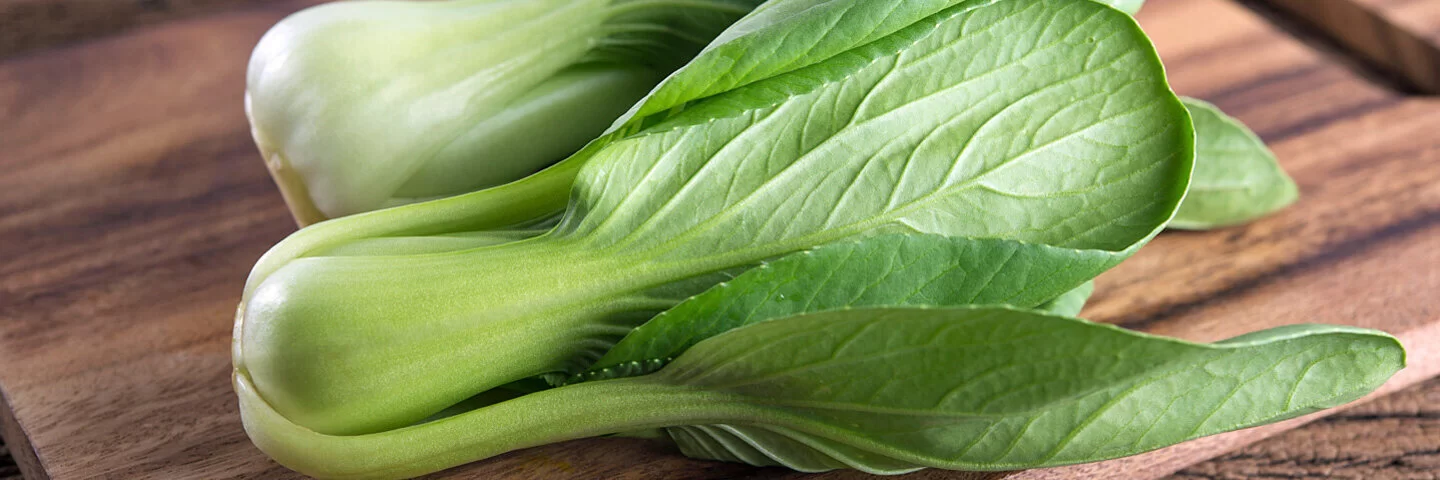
[[1031, 120], [991, 388], [925, 270], [1236, 179]]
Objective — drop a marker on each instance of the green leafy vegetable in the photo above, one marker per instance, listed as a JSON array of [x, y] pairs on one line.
[[891, 390], [1236, 178], [1070, 303], [923, 270], [1047, 122], [360, 105], [845, 234], [780, 37], [803, 28], [805, 31], [1020, 389]]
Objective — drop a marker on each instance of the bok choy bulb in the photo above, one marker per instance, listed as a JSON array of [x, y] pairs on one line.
[[362, 105]]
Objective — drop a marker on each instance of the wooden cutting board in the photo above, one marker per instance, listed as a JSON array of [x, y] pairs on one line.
[[1400, 37], [132, 205]]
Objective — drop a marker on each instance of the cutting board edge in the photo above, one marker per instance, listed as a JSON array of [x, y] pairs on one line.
[[1372, 34], [18, 442]]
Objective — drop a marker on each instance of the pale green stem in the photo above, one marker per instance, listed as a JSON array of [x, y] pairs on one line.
[[550, 416]]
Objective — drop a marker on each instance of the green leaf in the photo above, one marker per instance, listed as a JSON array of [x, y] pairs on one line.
[[989, 388], [880, 271], [892, 390], [1014, 130], [1070, 303], [1236, 179], [780, 37], [1042, 121]]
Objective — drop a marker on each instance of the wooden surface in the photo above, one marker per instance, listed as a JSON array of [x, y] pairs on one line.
[[133, 204], [1393, 437], [27, 25], [1399, 36]]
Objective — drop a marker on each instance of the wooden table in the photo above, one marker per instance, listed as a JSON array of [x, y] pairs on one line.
[[133, 204]]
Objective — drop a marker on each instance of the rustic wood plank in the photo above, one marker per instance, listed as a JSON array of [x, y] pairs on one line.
[[1394, 437], [1239, 61], [1288, 93], [27, 25], [140, 222], [137, 226], [1400, 36], [1419, 16]]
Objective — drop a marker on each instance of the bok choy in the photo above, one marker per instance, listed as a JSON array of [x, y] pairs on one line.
[[846, 234], [912, 133]]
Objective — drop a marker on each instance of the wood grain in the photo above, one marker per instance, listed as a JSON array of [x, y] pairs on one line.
[[27, 25], [136, 224], [1393, 437], [139, 204], [1400, 36]]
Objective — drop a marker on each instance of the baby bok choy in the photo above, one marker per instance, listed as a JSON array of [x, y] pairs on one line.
[[1052, 125], [807, 31], [847, 234], [360, 105], [889, 389], [780, 36]]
